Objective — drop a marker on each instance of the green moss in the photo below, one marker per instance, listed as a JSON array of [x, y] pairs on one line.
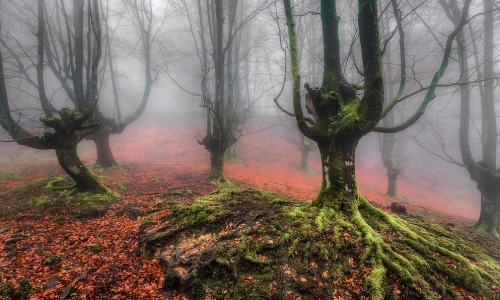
[[52, 260], [55, 196], [94, 248], [120, 186], [287, 247], [56, 184], [25, 288]]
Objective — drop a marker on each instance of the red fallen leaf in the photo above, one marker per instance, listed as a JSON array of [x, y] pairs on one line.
[[5, 263]]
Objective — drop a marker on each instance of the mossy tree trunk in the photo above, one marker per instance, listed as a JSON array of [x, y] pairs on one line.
[[217, 152], [488, 184], [341, 119], [338, 188], [216, 166], [67, 156]]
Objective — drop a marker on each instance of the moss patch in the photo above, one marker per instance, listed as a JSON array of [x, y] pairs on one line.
[[248, 244], [56, 196]]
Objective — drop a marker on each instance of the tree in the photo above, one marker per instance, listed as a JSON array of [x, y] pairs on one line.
[[342, 118], [220, 96], [72, 125], [484, 172], [147, 27]]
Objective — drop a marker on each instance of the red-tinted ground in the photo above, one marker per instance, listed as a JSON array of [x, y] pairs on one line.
[[156, 160]]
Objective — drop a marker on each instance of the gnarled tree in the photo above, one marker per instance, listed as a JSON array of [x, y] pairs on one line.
[[147, 26], [218, 51], [66, 127]]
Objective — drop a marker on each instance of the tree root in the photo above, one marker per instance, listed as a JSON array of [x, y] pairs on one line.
[[424, 268], [248, 244], [56, 185]]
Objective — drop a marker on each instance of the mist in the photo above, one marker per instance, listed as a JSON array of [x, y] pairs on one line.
[[185, 149]]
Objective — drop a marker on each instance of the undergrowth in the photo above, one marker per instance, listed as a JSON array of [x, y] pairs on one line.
[[56, 196], [248, 244]]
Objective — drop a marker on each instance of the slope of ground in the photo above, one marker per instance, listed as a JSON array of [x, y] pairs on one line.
[[158, 161]]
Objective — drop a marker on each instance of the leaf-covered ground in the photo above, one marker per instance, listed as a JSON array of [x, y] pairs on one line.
[[97, 257]]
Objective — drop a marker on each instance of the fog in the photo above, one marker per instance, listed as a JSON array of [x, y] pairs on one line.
[[256, 140]]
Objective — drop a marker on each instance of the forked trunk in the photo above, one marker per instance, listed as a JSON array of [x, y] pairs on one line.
[[338, 189], [105, 158], [68, 159]]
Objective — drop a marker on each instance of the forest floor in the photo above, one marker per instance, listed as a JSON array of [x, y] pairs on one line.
[[96, 258]]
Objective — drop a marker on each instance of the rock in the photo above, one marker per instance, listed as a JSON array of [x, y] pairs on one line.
[[67, 291], [82, 277], [398, 208], [51, 283]]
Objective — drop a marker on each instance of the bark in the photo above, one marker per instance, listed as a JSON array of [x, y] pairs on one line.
[[304, 154], [305, 149], [488, 184], [392, 183], [105, 158], [338, 188], [216, 165], [484, 172], [68, 159], [341, 121]]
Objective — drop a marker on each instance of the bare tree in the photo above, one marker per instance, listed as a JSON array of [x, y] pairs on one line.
[[67, 129], [484, 172], [217, 51]]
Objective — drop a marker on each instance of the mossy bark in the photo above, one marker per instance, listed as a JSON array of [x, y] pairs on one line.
[[216, 166], [338, 188], [489, 218], [68, 159]]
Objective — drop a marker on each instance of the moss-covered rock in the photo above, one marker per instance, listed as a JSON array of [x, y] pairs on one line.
[[247, 244]]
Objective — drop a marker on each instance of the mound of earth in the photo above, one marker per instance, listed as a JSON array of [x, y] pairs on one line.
[[240, 243]]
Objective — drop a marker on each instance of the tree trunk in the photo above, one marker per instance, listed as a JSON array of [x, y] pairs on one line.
[[304, 155], [392, 183], [71, 163], [105, 158], [489, 218], [338, 188], [305, 148], [216, 165]]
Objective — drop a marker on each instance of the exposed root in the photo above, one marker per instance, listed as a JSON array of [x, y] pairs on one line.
[[240, 243], [417, 257], [57, 184]]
